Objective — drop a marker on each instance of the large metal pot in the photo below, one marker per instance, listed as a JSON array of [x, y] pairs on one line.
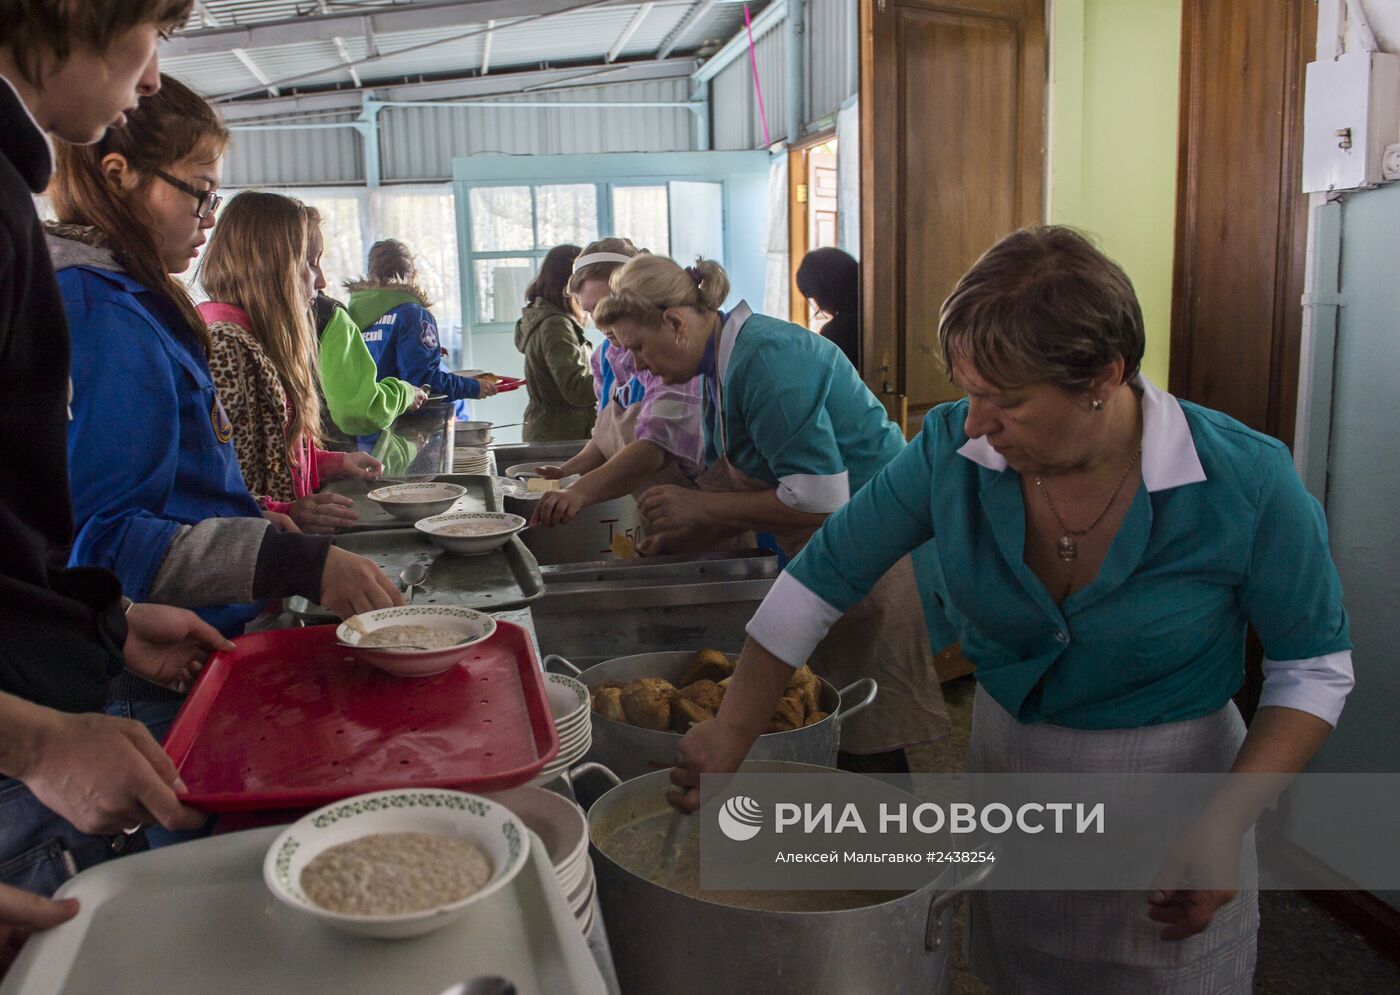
[[632, 752], [587, 538], [666, 941]]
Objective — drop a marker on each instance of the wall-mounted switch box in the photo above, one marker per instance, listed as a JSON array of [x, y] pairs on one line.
[[1351, 114]]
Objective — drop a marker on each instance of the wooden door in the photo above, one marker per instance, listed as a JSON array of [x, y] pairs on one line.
[[1241, 230], [953, 152]]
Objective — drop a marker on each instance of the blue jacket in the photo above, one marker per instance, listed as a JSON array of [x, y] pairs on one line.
[[402, 336], [149, 445]]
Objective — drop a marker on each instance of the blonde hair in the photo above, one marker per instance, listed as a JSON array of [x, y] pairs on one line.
[[602, 271], [254, 262], [648, 285]]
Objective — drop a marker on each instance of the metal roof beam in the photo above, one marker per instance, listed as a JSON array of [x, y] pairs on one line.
[[691, 18], [503, 84], [366, 21], [340, 47], [210, 18], [486, 47], [738, 46], [629, 31]]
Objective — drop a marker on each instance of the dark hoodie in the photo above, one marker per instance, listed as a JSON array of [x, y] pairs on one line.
[[61, 630], [562, 404]]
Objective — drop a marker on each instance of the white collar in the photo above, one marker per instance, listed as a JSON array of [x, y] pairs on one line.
[[48, 141], [728, 335], [1169, 457]]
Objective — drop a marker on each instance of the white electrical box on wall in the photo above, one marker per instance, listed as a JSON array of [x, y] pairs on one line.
[[1351, 114]]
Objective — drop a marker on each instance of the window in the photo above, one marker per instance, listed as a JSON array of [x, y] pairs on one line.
[[512, 227], [341, 219], [643, 215], [424, 220], [501, 219]]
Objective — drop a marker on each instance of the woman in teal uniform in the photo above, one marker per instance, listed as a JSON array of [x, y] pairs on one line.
[[791, 433], [1104, 547]]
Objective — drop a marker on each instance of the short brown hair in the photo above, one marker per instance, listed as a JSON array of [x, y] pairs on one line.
[[34, 26], [1043, 305]]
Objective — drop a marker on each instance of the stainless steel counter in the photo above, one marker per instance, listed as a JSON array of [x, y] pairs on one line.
[[592, 612]]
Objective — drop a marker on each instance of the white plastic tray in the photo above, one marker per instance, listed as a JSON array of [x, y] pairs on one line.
[[197, 918]]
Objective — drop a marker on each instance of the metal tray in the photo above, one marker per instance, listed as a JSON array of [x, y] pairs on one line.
[[482, 495], [198, 918], [503, 578]]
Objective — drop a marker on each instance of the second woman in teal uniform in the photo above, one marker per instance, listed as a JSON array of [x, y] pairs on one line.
[[791, 433]]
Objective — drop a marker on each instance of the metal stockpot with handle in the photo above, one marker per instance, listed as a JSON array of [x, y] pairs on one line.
[[631, 751], [666, 941]]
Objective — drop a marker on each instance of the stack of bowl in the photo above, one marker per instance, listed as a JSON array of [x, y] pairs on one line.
[[472, 459], [563, 829], [568, 700]]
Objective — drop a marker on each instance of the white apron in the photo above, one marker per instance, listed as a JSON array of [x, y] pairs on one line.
[[616, 429], [1075, 942]]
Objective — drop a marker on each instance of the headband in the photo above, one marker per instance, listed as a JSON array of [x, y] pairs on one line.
[[600, 257]]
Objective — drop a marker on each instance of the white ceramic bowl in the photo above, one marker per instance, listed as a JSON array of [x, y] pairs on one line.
[[504, 525], [559, 823], [471, 626], [410, 502], [490, 825], [568, 699]]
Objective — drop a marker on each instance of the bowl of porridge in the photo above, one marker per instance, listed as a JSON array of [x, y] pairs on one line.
[[394, 864], [471, 532], [415, 640], [410, 502]]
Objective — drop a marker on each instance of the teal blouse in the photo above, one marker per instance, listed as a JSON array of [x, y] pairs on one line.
[[1220, 534], [795, 413]]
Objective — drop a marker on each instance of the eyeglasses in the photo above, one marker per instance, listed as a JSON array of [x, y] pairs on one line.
[[208, 200]]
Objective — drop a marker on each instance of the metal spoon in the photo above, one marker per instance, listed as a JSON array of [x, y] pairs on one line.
[[413, 576]]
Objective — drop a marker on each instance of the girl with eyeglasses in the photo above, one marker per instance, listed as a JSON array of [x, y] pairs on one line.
[[158, 495]]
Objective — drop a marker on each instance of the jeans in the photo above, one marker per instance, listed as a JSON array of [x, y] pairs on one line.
[[40, 850], [157, 717]]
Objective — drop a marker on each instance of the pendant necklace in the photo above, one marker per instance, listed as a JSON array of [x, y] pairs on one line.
[[1066, 546]]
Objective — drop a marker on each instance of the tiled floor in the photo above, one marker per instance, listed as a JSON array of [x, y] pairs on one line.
[[1302, 949]]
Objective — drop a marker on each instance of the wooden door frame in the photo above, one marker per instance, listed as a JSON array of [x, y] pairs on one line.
[[1291, 247], [884, 344], [797, 233]]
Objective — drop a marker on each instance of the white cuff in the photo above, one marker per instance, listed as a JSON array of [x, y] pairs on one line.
[[791, 621], [819, 495], [1318, 685]]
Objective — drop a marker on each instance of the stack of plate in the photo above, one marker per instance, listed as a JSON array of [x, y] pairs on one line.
[[470, 459], [568, 700], [563, 829]]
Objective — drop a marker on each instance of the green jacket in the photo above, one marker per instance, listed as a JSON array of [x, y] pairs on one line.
[[562, 404], [358, 401]]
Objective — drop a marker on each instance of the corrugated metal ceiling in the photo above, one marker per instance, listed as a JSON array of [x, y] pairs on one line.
[[574, 37]]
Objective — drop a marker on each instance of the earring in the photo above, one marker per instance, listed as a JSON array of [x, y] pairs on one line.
[[1096, 404]]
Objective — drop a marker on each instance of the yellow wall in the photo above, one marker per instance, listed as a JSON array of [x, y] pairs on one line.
[[1114, 71]]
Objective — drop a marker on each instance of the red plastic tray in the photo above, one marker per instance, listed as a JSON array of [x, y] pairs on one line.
[[288, 720]]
